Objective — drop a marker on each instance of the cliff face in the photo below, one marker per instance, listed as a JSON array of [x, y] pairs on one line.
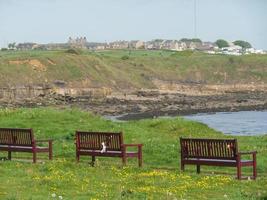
[[174, 100], [121, 70], [31, 92]]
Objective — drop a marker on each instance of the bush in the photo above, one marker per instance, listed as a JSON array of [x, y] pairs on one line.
[[231, 60], [125, 57], [74, 51], [183, 53]]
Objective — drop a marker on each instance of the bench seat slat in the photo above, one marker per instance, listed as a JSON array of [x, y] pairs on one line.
[[213, 162], [10, 147], [107, 153]]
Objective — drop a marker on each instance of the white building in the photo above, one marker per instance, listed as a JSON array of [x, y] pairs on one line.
[[255, 51]]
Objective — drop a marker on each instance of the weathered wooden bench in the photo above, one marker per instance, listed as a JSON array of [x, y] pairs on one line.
[[105, 144], [215, 152], [22, 140]]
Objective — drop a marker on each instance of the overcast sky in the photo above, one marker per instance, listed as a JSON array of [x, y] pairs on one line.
[[45, 21]]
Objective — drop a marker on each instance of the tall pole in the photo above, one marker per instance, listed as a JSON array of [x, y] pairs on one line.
[[195, 19]]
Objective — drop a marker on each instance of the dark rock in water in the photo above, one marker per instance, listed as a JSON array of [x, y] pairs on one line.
[[59, 83], [147, 93]]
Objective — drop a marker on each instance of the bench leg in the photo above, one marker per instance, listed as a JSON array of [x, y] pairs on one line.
[[34, 157], [198, 169], [254, 166], [9, 155], [140, 162], [182, 167], [93, 161], [77, 157], [254, 172], [50, 151], [140, 157], [124, 160], [238, 171]]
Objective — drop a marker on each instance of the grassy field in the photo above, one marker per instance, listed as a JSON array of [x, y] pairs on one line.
[[160, 178], [128, 69]]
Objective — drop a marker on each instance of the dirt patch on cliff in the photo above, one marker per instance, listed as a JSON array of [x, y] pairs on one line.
[[51, 62], [34, 63]]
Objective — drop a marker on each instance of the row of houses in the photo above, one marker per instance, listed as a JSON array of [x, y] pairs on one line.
[[157, 44], [238, 50], [134, 44]]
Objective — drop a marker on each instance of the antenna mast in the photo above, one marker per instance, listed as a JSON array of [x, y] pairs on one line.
[[195, 19]]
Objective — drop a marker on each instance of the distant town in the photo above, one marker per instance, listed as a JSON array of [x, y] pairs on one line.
[[238, 47]]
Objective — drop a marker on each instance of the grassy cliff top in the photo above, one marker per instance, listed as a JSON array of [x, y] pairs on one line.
[[124, 69]]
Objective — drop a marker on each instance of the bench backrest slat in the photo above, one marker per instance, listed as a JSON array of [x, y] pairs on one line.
[[16, 137], [93, 140], [209, 148]]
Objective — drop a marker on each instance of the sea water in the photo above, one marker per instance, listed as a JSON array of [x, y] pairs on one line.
[[235, 123]]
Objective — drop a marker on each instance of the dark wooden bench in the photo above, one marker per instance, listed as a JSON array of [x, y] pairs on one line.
[[22, 140], [215, 152], [91, 143]]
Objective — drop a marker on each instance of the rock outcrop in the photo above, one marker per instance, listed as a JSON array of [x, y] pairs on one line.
[[180, 99]]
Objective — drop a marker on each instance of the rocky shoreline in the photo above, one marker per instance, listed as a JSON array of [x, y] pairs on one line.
[[141, 104], [180, 104]]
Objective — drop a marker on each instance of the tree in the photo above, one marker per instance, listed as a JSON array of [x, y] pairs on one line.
[[197, 40], [243, 44], [158, 40], [12, 45], [222, 43], [185, 40]]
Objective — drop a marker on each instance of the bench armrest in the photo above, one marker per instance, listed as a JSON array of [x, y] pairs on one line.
[[124, 147], [49, 141], [253, 153], [246, 152]]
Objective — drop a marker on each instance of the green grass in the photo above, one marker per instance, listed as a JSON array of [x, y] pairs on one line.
[[138, 71], [160, 178]]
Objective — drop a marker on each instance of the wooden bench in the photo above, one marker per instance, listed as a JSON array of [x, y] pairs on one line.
[[92, 144], [22, 140], [215, 152]]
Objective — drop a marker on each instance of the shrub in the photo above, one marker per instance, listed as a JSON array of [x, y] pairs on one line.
[[125, 57], [231, 60], [183, 53], [74, 51]]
